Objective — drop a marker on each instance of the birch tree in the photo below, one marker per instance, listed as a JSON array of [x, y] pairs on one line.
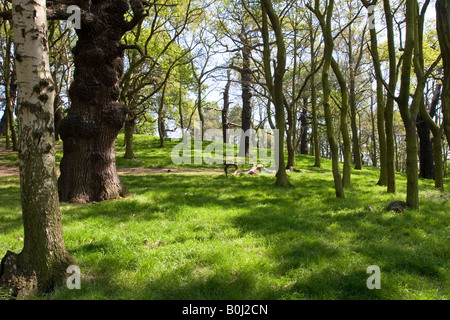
[[43, 261]]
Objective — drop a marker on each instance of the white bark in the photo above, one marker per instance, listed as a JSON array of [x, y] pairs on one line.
[[40, 203], [35, 85]]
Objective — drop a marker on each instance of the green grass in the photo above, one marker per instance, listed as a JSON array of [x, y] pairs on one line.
[[208, 237]]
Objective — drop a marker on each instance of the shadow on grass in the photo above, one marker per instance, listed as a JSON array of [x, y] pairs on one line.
[[314, 245]]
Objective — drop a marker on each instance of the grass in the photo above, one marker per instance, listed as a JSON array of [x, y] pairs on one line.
[[209, 237]]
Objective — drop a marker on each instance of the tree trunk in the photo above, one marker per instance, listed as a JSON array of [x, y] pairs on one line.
[[180, 108], [325, 22], [374, 139], [346, 174], [389, 112], [226, 109], [425, 150], [7, 81], [315, 123], [383, 180], [13, 98], [353, 121], [352, 101], [443, 30], [438, 172], [161, 122], [291, 109], [95, 117], [290, 138], [200, 110], [130, 126], [277, 86], [246, 77], [59, 116], [304, 129], [41, 266], [4, 124], [412, 172], [409, 113]]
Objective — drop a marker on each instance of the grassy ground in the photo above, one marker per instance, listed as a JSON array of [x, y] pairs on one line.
[[208, 237]]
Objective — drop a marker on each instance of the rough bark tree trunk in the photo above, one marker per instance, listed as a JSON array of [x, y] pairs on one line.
[[95, 117], [443, 30], [42, 264]]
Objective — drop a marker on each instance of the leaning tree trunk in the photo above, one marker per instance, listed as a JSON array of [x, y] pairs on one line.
[[325, 22], [42, 264], [346, 172], [95, 117], [277, 86]]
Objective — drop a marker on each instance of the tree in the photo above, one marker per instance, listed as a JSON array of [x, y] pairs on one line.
[[325, 23], [157, 57], [60, 40], [354, 57], [8, 74], [380, 95], [44, 259], [409, 112], [344, 108], [236, 33], [275, 84], [95, 116], [443, 29], [315, 124], [226, 109], [389, 177]]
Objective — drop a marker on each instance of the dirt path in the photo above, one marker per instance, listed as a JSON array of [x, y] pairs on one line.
[[14, 171]]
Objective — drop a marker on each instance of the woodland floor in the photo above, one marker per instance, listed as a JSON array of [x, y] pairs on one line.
[[204, 236]]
